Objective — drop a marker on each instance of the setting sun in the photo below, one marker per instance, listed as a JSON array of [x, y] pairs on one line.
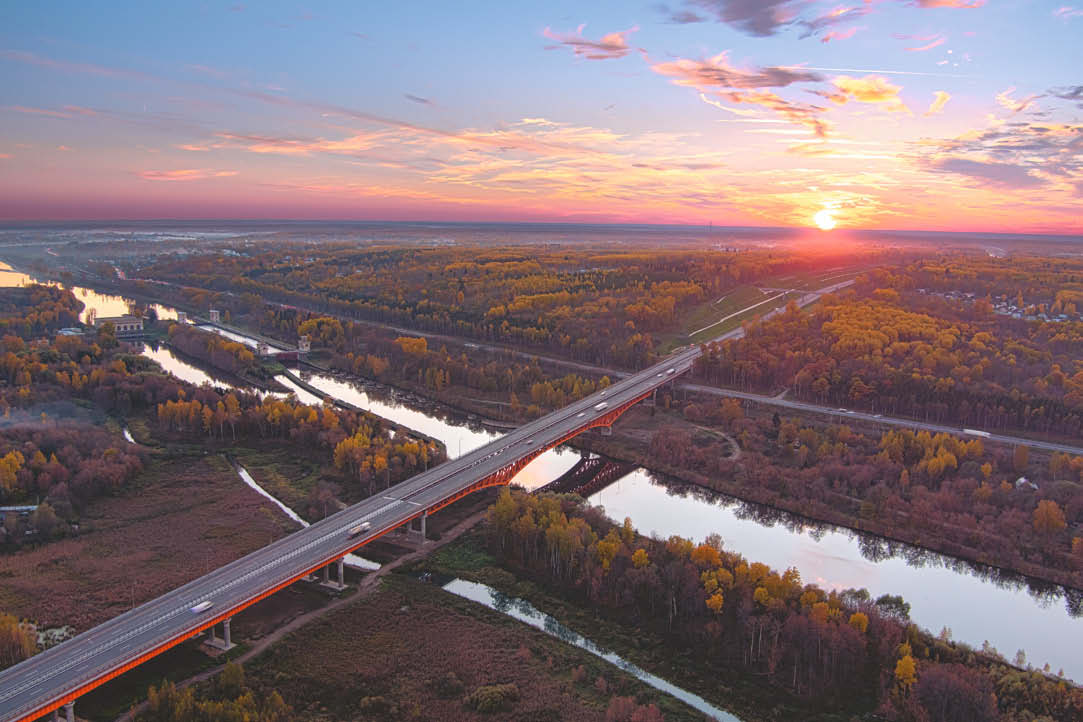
[[824, 220]]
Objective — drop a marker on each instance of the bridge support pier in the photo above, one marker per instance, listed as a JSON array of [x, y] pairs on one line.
[[225, 643], [415, 535], [341, 583], [69, 711]]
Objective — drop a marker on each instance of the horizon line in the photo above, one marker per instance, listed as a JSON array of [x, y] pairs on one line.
[[6, 224]]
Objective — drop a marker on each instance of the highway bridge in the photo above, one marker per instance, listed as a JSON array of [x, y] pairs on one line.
[[55, 678]]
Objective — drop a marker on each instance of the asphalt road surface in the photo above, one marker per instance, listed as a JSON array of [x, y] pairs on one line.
[[37, 683]]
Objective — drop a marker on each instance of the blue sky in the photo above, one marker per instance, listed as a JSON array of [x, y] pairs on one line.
[[941, 114]]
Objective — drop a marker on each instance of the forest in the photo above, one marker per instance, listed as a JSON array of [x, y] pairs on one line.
[[954, 494], [36, 310], [839, 650], [213, 349], [56, 391], [591, 304], [891, 345]]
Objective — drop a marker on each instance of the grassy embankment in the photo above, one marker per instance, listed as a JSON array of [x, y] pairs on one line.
[[744, 695], [412, 651]]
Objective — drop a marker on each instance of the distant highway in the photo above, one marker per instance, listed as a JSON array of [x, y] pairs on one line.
[[60, 674], [806, 300]]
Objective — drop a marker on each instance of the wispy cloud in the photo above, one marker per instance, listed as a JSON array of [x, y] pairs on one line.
[[804, 114], [1071, 93], [838, 35], [188, 174], [1011, 155], [714, 73], [961, 4], [755, 17], [61, 65], [418, 99], [990, 173], [680, 17], [611, 46], [38, 111], [836, 16], [1006, 100], [762, 18], [929, 43], [871, 89], [1067, 12], [938, 103]]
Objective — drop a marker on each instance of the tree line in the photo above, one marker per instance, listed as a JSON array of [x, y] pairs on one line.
[[837, 649]]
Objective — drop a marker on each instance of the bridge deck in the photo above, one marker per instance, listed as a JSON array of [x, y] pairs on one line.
[[61, 674]]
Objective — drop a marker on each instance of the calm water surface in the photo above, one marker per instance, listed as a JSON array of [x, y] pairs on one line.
[[942, 592], [527, 613]]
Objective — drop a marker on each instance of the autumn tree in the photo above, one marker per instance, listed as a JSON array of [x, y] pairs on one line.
[[1048, 518], [17, 640]]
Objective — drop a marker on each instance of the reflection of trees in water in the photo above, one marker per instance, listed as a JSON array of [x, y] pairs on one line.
[[404, 399], [872, 547]]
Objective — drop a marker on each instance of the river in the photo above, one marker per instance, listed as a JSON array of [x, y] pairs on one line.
[[943, 592]]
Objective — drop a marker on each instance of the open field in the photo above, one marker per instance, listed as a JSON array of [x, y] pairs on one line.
[[726, 688], [184, 516], [413, 651]]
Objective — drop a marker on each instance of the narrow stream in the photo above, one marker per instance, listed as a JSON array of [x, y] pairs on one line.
[[527, 613], [1010, 612], [352, 560]]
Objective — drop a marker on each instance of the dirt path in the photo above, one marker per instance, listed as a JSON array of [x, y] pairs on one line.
[[734, 446], [367, 585]]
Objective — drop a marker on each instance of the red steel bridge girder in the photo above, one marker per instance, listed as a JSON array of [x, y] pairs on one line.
[[501, 477]]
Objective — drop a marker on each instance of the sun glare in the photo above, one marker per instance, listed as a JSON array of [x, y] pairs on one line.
[[824, 220]]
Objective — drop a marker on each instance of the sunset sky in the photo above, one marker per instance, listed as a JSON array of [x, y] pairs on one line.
[[908, 114]]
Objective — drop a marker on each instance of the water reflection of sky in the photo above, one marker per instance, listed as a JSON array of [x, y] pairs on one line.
[[527, 613], [974, 609], [180, 368], [103, 304], [458, 438]]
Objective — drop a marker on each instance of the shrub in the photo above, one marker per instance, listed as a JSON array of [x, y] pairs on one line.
[[492, 698], [448, 686]]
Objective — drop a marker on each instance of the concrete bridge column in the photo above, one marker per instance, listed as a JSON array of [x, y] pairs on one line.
[[225, 643], [339, 585], [69, 711]]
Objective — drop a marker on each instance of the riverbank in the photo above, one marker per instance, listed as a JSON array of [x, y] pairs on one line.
[[744, 695], [778, 654], [630, 443], [632, 446]]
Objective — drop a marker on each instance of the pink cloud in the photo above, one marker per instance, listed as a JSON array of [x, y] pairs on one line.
[[934, 42], [1015, 106], [613, 45], [38, 111], [838, 35], [964, 4], [869, 89], [185, 174], [716, 72], [938, 103], [89, 68]]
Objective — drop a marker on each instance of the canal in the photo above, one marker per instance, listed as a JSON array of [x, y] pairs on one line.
[[976, 605]]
